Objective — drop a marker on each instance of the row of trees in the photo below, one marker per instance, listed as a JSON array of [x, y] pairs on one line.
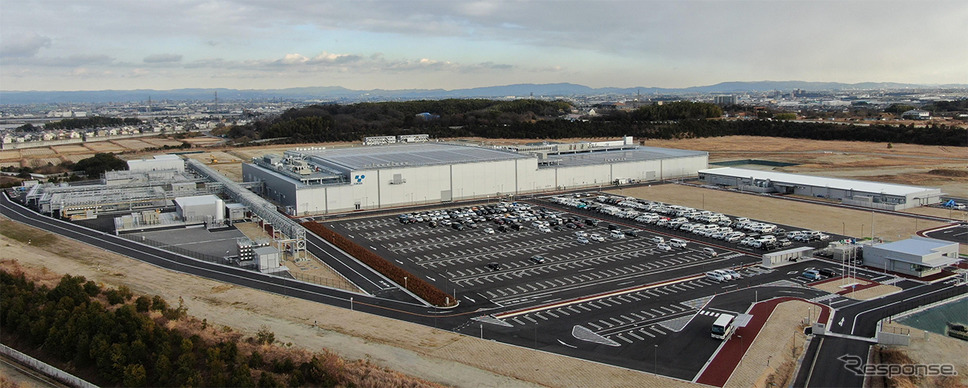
[[127, 341], [92, 122], [414, 284], [531, 119]]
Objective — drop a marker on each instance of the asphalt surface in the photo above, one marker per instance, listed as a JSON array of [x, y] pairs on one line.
[[956, 233], [635, 307]]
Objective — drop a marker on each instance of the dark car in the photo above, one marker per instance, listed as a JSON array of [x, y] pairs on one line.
[[828, 272], [537, 259], [503, 228], [613, 227], [591, 222], [494, 266], [631, 233]]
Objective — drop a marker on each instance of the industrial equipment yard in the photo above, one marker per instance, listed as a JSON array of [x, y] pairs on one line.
[[628, 277]]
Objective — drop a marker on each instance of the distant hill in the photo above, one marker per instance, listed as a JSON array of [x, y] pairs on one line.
[[340, 94]]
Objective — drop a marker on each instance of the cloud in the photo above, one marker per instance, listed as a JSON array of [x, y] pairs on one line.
[[163, 58], [23, 45]]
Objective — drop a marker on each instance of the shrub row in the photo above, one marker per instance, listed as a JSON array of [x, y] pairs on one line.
[[413, 283]]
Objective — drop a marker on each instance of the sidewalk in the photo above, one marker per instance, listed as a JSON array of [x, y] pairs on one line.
[[726, 361]]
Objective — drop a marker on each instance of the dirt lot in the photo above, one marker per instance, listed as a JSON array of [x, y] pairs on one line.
[[933, 166]]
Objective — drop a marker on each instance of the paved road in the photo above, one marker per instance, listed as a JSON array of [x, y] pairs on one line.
[[410, 311], [956, 233], [822, 365]]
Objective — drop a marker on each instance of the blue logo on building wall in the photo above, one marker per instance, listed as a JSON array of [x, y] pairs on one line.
[[359, 179]]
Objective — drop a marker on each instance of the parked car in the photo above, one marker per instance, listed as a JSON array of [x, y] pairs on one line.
[[582, 240], [733, 273], [710, 252], [811, 274], [713, 275], [617, 234], [828, 272], [596, 237], [726, 275], [495, 266], [657, 239], [538, 259], [488, 231], [663, 247], [677, 242], [631, 232]]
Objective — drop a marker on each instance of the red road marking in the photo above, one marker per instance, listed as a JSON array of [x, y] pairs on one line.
[[728, 358]]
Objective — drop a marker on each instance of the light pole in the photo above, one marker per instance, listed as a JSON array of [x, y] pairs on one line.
[[405, 283], [351, 303], [844, 231]]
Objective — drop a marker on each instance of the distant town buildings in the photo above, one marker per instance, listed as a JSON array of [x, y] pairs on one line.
[[916, 114]]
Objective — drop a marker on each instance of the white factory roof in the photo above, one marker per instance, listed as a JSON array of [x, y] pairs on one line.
[[818, 181], [637, 154], [199, 200], [920, 246], [408, 155]]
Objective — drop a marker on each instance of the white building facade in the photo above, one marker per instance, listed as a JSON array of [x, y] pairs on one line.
[[338, 180]]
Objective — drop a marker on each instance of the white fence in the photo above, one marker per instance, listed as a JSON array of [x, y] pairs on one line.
[[44, 368]]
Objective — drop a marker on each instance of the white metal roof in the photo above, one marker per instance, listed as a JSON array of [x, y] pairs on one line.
[[196, 200], [408, 155], [918, 246], [818, 181]]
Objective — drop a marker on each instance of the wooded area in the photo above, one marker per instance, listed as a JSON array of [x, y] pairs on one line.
[[532, 119], [110, 337]]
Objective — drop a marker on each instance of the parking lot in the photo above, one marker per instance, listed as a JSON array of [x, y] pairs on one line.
[[496, 269], [539, 278]]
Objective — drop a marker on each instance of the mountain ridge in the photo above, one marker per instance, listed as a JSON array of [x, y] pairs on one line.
[[339, 93]]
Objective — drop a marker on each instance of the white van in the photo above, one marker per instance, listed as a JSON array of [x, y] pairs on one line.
[[678, 243], [710, 252]]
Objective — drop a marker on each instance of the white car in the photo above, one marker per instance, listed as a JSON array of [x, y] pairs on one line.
[[713, 275], [596, 237], [678, 243], [657, 240], [582, 240], [725, 274], [710, 252], [544, 229], [733, 274], [489, 231], [617, 234], [663, 247]]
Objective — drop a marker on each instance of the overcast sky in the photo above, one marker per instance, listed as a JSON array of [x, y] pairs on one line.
[[265, 44]]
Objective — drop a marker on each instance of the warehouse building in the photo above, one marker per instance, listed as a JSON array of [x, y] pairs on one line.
[[916, 256], [875, 195], [316, 181]]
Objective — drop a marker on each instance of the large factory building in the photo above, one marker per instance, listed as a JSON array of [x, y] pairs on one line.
[[317, 181], [875, 195]]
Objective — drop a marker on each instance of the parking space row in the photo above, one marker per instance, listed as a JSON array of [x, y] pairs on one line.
[[574, 263], [519, 250]]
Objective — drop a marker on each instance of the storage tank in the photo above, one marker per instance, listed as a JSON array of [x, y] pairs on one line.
[[219, 211]]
